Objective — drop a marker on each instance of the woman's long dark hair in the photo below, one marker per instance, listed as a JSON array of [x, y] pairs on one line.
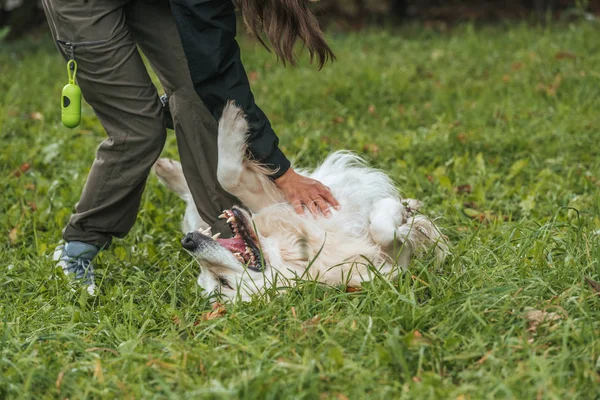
[[284, 22]]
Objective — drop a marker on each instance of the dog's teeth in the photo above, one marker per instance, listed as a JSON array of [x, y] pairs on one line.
[[230, 220], [216, 235], [223, 216]]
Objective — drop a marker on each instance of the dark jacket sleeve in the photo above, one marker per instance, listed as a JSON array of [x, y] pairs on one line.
[[207, 29]]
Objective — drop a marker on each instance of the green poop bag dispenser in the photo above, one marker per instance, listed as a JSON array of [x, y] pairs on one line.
[[71, 99]]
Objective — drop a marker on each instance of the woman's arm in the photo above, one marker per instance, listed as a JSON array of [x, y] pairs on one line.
[[207, 29]]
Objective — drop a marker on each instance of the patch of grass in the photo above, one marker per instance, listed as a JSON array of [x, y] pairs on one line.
[[496, 129]]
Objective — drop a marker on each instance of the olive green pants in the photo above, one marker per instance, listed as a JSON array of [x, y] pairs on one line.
[[103, 36]]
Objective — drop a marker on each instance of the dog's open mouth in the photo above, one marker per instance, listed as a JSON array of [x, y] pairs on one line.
[[244, 244]]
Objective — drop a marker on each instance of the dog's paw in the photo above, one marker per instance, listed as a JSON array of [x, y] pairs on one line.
[[385, 218], [170, 173]]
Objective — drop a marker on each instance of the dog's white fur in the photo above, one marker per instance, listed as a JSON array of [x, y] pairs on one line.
[[374, 232]]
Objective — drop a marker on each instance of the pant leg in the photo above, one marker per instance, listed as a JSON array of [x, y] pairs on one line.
[[114, 81], [195, 127]]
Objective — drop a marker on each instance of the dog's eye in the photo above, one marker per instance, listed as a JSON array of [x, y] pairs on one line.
[[224, 282]]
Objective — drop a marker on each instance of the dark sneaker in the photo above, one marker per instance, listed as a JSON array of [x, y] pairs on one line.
[[75, 258]]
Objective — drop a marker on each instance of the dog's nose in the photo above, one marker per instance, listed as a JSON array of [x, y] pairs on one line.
[[188, 242]]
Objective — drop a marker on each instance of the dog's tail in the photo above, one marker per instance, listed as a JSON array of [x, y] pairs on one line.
[[170, 173]]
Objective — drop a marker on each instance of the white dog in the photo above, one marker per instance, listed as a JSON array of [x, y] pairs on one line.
[[373, 233]]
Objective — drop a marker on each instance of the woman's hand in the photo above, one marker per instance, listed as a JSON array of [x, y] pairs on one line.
[[301, 191]]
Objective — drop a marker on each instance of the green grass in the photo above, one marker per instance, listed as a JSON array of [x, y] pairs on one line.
[[510, 111]]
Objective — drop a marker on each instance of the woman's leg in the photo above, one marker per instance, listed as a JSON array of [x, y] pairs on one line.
[[155, 31], [114, 81]]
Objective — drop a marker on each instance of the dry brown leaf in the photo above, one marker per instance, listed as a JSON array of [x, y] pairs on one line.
[[484, 358], [253, 76], [338, 120], [372, 109], [505, 78], [351, 289], [36, 116], [341, 396], [93, 349], [537, 317], [593, 284], [517, 66], [32, 205], [218, 310], [13, 235], [466, 188], [29, 186], [61, 375], [371, 148], [98, 374], [416, 379], [294, 313], [22, 169], [312, 322], [563, 55]]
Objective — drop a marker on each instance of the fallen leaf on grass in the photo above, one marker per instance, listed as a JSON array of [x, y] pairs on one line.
[[36, 116], [563, 55], [29, 186], [218, 310], [98, 374], [372, 109], [61, 375], [484, 358], [312, 322], [371, 148], [94, 349], [338, 120], [462, 137], [416, 379], [593, 284], [13, 235], [32, 205], [537, 317], [253, 76], [463, 189], [517, 66], [552, 88], [351, 289], [21, 170]]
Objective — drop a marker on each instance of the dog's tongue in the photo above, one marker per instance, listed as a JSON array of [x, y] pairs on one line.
[[234, 244]]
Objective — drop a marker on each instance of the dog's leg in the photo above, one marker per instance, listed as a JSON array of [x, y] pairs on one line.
[[387, 215], [170, 173], [244, 178]]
